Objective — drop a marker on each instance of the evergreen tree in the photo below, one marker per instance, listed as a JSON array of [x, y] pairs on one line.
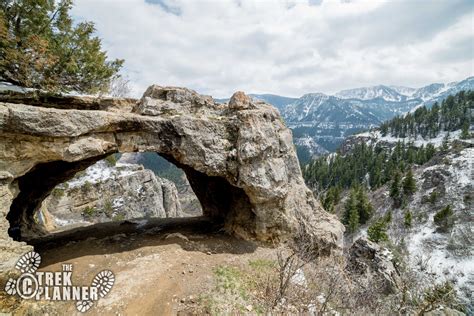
[[331, 198], [395, 192], [446, 142], [409, 183], [444, 219], [41, 47], [407, 219], [351, 169], [465, 131], [451, 115], [353, 221], [364, 207], [378, 231], [351, 214]]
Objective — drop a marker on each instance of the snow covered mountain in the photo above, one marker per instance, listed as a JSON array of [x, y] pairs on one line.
[[427, 94], [320, 122], [277, 101], [384, 92], [324, 120]]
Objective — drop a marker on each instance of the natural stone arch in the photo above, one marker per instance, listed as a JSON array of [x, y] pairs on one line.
[[239, 158]]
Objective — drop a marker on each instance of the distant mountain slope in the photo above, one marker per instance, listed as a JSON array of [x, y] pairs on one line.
[[381, 91], [320, 122], [277, 101], [323, 121]]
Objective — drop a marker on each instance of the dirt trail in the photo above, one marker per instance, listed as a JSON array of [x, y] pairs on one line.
[[157, 270]]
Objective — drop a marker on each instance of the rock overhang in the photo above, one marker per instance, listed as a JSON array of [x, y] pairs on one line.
[[243, 150]]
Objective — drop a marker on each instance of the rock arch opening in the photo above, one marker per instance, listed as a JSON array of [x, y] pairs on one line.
[[61, 184], [238, 157]]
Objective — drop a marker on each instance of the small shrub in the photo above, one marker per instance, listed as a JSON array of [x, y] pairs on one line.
[[439, 294], [108, 209], [89, 211], [118, 217], [432, 198], [388, 217], [444, 219], [377, 232], [111, 160], [87, 186], [407, 219], [228, 279], [467, 199], [262, 264], [80, 174], [57, 193]]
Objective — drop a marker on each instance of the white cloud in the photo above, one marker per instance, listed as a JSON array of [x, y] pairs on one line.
[[285, 47]]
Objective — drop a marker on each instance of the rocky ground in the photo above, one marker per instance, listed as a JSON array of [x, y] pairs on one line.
[[158, 271], [189, 266]]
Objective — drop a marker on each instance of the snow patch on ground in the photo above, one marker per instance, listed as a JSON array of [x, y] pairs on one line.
[[64, 222], [428, 248], [438, 261], [462, 167], [419, 141]]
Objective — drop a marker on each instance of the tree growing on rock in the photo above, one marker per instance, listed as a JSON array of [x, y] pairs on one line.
[[364, 207], [377, 232], [465, 131], [444, 219], [395, 190], [407, 219], [357, 210], [351, 214], [41, 48], [409, 183]]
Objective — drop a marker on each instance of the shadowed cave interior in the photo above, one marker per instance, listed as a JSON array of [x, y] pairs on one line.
[[223, 205]]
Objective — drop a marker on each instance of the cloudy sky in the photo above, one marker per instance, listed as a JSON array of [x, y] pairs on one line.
[[285, 47]]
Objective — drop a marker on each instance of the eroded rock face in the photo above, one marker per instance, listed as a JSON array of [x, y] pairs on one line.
[[368, 259], [239, 159], [110, 193]]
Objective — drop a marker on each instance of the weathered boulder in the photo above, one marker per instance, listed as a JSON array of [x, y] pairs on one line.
[[239, 101], [110, 192], [368, 259], [240, 161]]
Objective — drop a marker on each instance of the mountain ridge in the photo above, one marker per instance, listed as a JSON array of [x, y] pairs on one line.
[[320, 121]]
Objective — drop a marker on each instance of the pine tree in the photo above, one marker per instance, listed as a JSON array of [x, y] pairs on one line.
[[353, 222], [378, 231], [409, 183], [446, 142], [351, 214], [407, 219], [41, 47], [465, 131], [444, 219], [364, 207], [395, 192]]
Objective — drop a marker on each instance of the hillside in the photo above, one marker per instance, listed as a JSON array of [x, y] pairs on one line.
[[321, 122], [327, 120], [413, 194]]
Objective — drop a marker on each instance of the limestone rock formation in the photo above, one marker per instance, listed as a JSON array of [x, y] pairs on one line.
[[189, 202], [374, 262], [105, 193], [239, 160]]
